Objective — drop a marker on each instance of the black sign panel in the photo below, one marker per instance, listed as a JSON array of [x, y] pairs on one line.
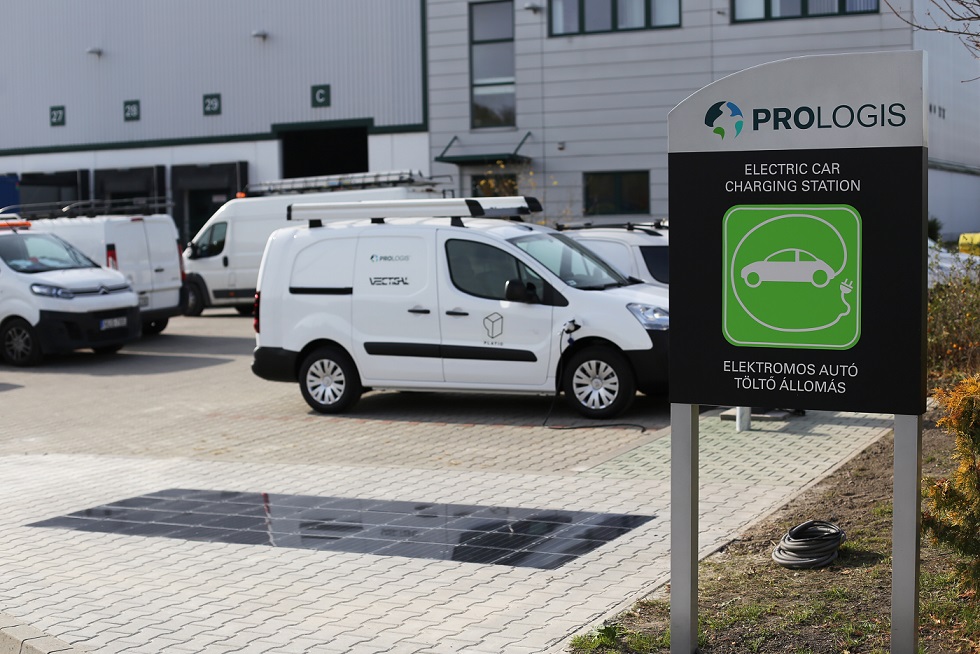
[[798, 278]]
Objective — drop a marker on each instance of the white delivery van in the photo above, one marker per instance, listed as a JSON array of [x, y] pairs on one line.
[[640, 250], [222, 260], [54, 299], [146, 249], [442, 295]]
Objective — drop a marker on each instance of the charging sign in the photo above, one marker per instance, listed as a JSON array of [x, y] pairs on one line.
[[792, 276], [798, 236]]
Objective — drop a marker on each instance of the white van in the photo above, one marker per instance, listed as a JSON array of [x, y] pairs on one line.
[[440, 295], [54, 299], [146, 249], [222, 260], [639, 250]]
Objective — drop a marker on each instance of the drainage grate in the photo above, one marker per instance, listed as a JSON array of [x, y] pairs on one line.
[[498, 535]]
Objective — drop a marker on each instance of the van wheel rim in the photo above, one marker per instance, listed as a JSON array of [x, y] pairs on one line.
[[326, 382], [17, 344], [595, 384]]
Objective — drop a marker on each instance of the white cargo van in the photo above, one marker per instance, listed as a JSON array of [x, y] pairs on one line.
[[144, 248], [54, 299], [441, 295], [222, 260]]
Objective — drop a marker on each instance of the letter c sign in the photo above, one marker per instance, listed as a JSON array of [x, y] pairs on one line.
[[320, 95]]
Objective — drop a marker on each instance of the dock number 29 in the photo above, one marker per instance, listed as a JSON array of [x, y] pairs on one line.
[[212, 104]]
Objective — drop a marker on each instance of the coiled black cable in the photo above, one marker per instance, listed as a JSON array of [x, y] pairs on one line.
[[812, 544]]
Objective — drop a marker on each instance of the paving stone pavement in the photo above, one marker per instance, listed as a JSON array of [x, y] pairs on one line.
[[184, 411]]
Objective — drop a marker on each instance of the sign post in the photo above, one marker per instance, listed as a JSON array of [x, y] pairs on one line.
[[798, 266]]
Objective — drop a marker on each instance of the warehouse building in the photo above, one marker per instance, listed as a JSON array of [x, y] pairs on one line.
[[563, 99]]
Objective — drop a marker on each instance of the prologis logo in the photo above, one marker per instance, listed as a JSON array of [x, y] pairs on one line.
[[380, 258], [724, 118]]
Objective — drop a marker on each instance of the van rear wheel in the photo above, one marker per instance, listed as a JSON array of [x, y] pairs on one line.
[[329, 381], [599, 383], [20, 344]]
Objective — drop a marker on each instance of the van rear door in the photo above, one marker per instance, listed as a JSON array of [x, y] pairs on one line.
[[161, 242]]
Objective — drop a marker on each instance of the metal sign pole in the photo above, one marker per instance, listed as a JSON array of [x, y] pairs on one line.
[[905, 534], [683, 528]]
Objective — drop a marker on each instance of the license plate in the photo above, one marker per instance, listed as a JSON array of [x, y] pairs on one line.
[[112, 323]]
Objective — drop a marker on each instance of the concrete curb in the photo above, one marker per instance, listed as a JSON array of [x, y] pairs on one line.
[[18, 638]]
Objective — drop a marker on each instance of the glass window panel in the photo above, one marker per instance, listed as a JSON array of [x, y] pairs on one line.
[[821, 7], [750, 9], [631, 14], [598, 15], [635, 193], [492, 20], [666, 12], [600, 194], [493, 63], [564, 17], [494, 185], [861, 5], [786, 8], [494, 106]]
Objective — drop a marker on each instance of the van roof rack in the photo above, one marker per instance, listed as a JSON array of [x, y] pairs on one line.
[[344, 182], [97, 207], [651, 227], [378, 210]]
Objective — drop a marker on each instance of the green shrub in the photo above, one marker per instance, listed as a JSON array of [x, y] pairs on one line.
[[953, 328], [954, 516]]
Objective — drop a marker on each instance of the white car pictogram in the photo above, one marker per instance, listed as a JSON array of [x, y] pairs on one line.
[[789, 265]]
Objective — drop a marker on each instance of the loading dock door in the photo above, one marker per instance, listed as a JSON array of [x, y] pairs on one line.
[[198, 191], [310, 152]]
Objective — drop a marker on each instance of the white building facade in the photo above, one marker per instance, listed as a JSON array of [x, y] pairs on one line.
[[566, 100]]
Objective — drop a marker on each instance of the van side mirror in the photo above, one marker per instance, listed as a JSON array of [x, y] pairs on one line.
[[192, 246], [517, 291]]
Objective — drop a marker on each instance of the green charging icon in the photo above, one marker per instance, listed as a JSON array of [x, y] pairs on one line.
[[792, 276]]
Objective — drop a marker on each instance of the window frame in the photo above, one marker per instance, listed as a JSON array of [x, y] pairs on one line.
[[804, 11], [473, 42], [648, 12]]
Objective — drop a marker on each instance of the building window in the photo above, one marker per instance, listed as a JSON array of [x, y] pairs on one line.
[[617, 193], [492, 64], [748, 10], [485, 186], [590, 16]]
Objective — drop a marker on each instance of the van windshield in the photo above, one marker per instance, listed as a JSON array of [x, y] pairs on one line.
[[574, 264], [34, 253]]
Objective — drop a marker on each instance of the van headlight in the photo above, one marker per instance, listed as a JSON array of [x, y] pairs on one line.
[[51, 291], [650, 316]]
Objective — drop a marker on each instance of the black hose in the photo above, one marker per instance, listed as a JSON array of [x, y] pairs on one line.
[[812, 544]]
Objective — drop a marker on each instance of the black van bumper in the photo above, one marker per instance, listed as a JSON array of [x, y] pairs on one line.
[[650, 366], [274, 364], [63, 331]]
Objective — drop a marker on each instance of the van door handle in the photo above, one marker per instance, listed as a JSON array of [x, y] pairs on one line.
[[457, 313], [224, 260], [419, 311], [158, 270]]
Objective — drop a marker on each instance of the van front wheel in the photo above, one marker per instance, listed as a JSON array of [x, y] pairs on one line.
[[329, 381], [20, 344], [195, 300], [598, 382]]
